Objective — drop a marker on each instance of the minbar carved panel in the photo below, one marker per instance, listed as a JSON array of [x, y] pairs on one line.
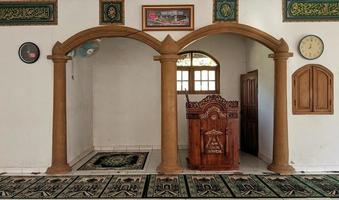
[[213, 134]]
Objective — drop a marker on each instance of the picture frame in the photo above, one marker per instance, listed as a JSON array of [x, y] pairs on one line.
[[112, 12], [42, 12], [29, 52], [310, 10], [225, 11], [168, 17]]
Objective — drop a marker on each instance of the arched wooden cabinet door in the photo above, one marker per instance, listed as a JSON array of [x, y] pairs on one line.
[[312, 90]]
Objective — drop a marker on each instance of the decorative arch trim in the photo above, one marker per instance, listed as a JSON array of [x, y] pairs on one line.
[[106, 31], [238, 29]]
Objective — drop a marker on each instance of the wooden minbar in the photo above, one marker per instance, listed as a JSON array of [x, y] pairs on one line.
[[213, 125]]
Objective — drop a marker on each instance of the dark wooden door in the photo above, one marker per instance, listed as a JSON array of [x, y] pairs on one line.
[[249, 113]]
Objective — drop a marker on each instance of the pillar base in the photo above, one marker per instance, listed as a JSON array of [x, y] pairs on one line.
[[169, 169], [281, 169], [61, 169]]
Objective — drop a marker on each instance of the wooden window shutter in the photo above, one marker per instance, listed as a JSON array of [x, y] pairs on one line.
[[322, 90], [312, 90], [302, 90]]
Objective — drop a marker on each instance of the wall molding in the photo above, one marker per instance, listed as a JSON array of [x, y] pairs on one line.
[[316, 168], [133, 147]]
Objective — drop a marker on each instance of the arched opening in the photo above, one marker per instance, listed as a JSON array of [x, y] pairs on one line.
[[246, 75], [280, 160], [113, 103], [169, 50], [59, 57]]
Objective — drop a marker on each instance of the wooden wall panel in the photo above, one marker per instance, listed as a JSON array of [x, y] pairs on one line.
[[302, 93], [322, 87], [312, 90]]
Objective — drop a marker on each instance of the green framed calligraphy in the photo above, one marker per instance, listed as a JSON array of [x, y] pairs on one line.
[[225, 11], [38, 12], [310, 10], [112, 12]]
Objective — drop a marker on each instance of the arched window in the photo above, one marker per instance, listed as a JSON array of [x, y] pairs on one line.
[[197, 73], [312, 90]]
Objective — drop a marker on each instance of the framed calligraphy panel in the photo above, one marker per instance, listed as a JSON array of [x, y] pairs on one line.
[[112, 12], [33, 12], [225, 10], [310, 10]]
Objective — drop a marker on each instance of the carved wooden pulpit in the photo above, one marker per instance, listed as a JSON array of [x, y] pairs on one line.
[[213, 134]]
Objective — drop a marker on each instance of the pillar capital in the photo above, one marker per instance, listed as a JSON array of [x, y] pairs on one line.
[[280, 55], [59, 58], [167, 58]]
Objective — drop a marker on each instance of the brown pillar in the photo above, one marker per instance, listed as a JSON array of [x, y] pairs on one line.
[[59, 143], [280, 163], [169, 127]]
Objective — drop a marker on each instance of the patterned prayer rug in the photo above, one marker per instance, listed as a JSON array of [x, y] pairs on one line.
[[16, 184], [85, 187], [191, 186], [167, 186], [47, 187], [321, 183], [116, 161], [335, 176], [3, 178], [247, 186], [125, 186], [204, 186], [288, 187]]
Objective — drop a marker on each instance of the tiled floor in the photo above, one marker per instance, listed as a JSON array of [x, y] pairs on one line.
[[248, 165]]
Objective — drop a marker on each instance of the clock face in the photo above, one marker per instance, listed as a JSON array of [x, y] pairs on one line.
[[311, 47]]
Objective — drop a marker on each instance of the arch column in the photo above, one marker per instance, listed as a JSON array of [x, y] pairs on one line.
[[169, 125], [280, 162], [59, 143]]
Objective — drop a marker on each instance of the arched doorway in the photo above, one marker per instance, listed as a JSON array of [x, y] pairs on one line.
[[168, 113], [281, 54], [169, 50]]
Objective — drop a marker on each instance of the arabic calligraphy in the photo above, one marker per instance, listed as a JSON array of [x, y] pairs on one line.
[[312, 9], [225, 10], [24, 13], [28, 13]]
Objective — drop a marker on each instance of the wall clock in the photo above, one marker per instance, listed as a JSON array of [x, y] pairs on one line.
[[311, 47], [29, 52]]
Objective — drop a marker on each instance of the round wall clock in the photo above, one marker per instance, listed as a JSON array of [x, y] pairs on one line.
[[29, 52], [311, 47]]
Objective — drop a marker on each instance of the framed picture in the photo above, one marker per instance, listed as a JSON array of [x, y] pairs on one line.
[[167, 17], [112, 12], [29, 52], [225, 10], [310, 10], [28, 12]]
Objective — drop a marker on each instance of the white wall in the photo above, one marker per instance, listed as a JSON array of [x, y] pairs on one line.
[[26, 90], [257, 59], [126, 92], [311, 137], [79, 102], [127, 106], [230, 51]]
